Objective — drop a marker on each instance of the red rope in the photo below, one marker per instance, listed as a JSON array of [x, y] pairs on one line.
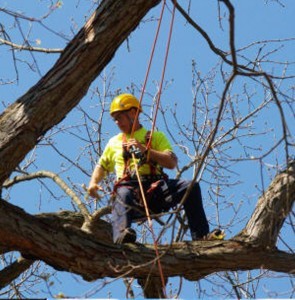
[[153, 126], [163, 73], [149, 66], [151, 230]]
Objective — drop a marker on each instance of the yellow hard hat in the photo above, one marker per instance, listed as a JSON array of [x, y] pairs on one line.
[[124, 102]]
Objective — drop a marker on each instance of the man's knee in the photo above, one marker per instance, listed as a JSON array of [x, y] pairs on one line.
[[124, 195], [194, 187], [194, 197]]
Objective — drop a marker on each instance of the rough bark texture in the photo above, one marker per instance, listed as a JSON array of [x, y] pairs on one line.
[[23, 123], [272, 209], [65, 246], [11, 272], [152, 287], [69, 248]]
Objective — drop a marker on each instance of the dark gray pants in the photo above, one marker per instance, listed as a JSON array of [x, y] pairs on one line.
[[127, 209]]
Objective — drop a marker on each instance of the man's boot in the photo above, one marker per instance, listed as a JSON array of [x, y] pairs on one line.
[[216, 234], [128, 235]]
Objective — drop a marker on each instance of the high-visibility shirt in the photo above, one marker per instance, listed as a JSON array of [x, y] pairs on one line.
[[112, 158]]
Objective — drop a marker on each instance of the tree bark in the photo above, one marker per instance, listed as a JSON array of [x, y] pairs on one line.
[[11, 272], [24, 123], [152, 287], [65, 246], [272, 209]]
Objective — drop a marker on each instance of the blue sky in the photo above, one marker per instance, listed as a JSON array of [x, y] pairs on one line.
[[255, 21]]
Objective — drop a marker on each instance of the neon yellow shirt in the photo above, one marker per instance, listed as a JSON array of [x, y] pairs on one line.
[[112, 157]]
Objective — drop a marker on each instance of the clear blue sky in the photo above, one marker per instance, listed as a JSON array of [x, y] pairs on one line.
[[256, 21]]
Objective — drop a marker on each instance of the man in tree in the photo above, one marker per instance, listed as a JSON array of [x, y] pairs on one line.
[[134, 147]]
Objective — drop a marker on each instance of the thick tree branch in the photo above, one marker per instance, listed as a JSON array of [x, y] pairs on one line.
[[71, 249], [64, 218], [93, 256], [272, 209], [47, 103]]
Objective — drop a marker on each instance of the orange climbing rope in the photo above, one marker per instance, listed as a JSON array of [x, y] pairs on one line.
[[163, 71], [149, 65], [158, 97]]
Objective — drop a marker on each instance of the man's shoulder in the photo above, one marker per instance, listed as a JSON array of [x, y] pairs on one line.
[[155, 134], [115, 139], [159, 134], [160, 141]]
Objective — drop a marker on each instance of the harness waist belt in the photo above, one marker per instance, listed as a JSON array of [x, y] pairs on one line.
[[145, 177]]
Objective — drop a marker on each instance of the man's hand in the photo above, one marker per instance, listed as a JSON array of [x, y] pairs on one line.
[[96, 177], [166, 159], [92, 190], [135, 143]]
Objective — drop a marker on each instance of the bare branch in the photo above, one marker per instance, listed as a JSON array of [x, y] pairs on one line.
[[11, 272], [61, 183], [29, 48], [232, 32]]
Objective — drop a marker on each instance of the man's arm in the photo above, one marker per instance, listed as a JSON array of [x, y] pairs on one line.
[[166, 159], [97, 176]]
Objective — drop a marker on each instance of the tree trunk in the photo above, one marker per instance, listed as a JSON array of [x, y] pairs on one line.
[[24, 123], [152, 287]]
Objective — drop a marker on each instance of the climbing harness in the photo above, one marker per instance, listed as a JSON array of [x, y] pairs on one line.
[[141, 159]]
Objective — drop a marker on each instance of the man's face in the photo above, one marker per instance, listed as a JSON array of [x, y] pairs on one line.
[[124, 120]]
